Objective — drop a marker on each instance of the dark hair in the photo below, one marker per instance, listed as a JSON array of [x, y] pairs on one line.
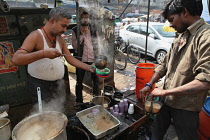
[[194, 7], [83, 13], [59, 12]]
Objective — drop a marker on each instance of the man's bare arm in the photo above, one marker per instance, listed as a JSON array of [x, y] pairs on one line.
[[193, 87]]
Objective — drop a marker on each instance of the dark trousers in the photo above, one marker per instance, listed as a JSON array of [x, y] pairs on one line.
[[186, 123], [80, 73], [49, 89]]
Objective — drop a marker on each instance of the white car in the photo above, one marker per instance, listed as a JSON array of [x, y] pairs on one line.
[[158, 43]]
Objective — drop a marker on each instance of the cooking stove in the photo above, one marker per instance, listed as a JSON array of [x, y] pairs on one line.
[[75, 130]]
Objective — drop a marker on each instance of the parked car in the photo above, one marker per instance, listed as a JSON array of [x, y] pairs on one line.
[[159, 41]]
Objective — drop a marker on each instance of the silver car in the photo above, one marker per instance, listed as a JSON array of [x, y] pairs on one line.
[[159, 41]]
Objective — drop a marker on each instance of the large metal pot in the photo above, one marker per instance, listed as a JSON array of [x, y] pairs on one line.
[[5, 131], [49, 125]]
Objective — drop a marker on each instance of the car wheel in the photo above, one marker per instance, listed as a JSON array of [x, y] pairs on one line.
[[159, 56]]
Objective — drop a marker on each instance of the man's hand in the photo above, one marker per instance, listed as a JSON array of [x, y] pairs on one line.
[[91, 69], [157, 92], [51, 53], [144, 92]]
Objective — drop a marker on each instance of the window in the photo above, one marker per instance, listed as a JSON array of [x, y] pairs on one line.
[[134, 28], [144, 30], [159, 29]]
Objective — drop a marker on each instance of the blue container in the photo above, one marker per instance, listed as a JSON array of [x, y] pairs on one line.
[[206, 106], [204, 116]]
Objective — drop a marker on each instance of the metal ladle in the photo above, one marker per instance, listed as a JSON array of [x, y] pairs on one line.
[[39, 99], [100, 61], [40, 103]]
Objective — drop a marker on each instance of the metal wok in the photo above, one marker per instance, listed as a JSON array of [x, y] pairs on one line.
[[49, 125]]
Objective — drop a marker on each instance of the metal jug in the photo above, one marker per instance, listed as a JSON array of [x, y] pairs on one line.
[[101, 62]]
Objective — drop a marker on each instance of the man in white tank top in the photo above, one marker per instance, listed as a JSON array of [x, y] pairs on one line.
[[41, 51]]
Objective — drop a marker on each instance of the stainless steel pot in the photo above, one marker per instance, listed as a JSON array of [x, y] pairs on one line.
[[5, 131], [97, 100], [49, 125], [101, 100]]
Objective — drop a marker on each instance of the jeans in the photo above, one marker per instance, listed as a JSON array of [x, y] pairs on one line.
[[80, 73], [186, 123]]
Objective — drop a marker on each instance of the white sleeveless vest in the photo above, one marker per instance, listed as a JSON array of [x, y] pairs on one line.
[[47, 69]]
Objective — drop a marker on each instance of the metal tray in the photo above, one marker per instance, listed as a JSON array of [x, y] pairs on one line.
[[98, 121]]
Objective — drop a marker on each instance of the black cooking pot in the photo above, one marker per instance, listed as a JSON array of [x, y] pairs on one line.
[[108, 90], [116, 98]]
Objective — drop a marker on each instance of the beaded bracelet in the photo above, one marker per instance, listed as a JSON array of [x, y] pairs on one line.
[[149, 85]]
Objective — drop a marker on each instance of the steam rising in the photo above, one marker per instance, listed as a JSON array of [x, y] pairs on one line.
[[57, 103], [99, 19]]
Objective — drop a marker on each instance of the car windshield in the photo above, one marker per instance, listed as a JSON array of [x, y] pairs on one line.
[[159, 29]]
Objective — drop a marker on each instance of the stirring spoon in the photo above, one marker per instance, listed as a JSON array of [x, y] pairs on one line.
[[40, 103]]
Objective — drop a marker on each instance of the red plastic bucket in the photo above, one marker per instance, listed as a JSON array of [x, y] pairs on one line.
[[204, 115], [144, 72]]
